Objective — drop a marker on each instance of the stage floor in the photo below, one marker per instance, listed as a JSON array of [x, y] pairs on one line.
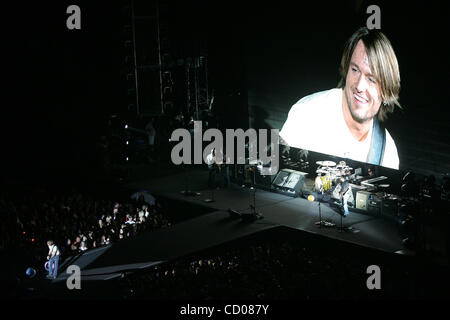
[[278, 209]]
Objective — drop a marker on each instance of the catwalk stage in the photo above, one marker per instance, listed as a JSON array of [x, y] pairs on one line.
[[217, 227]]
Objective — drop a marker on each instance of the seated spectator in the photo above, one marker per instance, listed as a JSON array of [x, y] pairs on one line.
[[129, 219], [83, 246]]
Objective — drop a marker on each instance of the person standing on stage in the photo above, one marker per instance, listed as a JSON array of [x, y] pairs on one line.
[[225, 172], [211, 162], [53, 259], [344, 193], [370, 173], [318, 184]]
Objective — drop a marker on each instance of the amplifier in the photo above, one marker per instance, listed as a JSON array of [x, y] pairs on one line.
[[362, 200], [390, 206]]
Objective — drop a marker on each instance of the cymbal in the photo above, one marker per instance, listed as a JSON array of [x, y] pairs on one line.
[[321, 171], [328, 163]]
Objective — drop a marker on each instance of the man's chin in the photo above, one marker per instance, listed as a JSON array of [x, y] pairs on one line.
[[360, 118]]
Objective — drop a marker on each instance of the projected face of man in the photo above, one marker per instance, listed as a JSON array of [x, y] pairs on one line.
[[362, 98]]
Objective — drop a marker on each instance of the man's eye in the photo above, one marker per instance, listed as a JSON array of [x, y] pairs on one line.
[[372, 80], [354, 70]]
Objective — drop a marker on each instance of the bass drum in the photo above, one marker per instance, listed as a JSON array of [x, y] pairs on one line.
[[326, 182]]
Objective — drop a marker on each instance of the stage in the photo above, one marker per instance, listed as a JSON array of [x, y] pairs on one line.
[[218, 226], [378, 232]]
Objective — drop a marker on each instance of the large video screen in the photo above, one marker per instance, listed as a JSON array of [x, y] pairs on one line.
[[352, 79]]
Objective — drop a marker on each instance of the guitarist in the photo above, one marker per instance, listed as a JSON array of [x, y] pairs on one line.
[[345, 194], [212, 168]]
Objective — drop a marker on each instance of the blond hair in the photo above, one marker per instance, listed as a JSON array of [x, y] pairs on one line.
[[383, 64]]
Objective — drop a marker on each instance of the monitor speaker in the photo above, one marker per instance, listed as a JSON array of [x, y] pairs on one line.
[[289, 182]]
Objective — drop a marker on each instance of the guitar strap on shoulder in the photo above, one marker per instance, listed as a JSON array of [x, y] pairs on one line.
[[378, 143]]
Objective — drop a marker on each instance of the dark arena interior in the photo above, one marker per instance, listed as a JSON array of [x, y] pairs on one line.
[[95, 94]]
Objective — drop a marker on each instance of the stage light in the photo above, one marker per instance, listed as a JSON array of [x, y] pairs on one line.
[[310, 198], [126, 126], [32, 240], [127, 158], [127, 142], [30, 272]]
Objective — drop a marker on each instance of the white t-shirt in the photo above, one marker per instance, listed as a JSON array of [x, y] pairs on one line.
[[53, 250], [210, 159], [316, 123]]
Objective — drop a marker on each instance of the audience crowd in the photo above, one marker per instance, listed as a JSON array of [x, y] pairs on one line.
[[76, 222], [268, 269], [267, 266]]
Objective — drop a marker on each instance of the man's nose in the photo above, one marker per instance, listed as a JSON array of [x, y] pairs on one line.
[[361, 84]]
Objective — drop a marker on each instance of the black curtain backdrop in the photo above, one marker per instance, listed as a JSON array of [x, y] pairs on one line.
[[60, 83]]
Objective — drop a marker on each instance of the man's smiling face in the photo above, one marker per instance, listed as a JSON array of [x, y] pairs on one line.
[[362, 89]]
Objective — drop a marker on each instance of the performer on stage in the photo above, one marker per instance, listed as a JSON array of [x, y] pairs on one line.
[[352, 113], [53, 259], [318, 185], [212, 168], [345, 193], [371, 173], [225, 172]]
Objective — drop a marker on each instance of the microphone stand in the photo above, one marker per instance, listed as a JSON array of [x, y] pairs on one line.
[[187, 191], [254, 213], [346, 229], [212, 197], [320, 216], [212, 189], [319, 200]]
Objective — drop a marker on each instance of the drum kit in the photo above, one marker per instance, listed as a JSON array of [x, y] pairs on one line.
[[329, 173]]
